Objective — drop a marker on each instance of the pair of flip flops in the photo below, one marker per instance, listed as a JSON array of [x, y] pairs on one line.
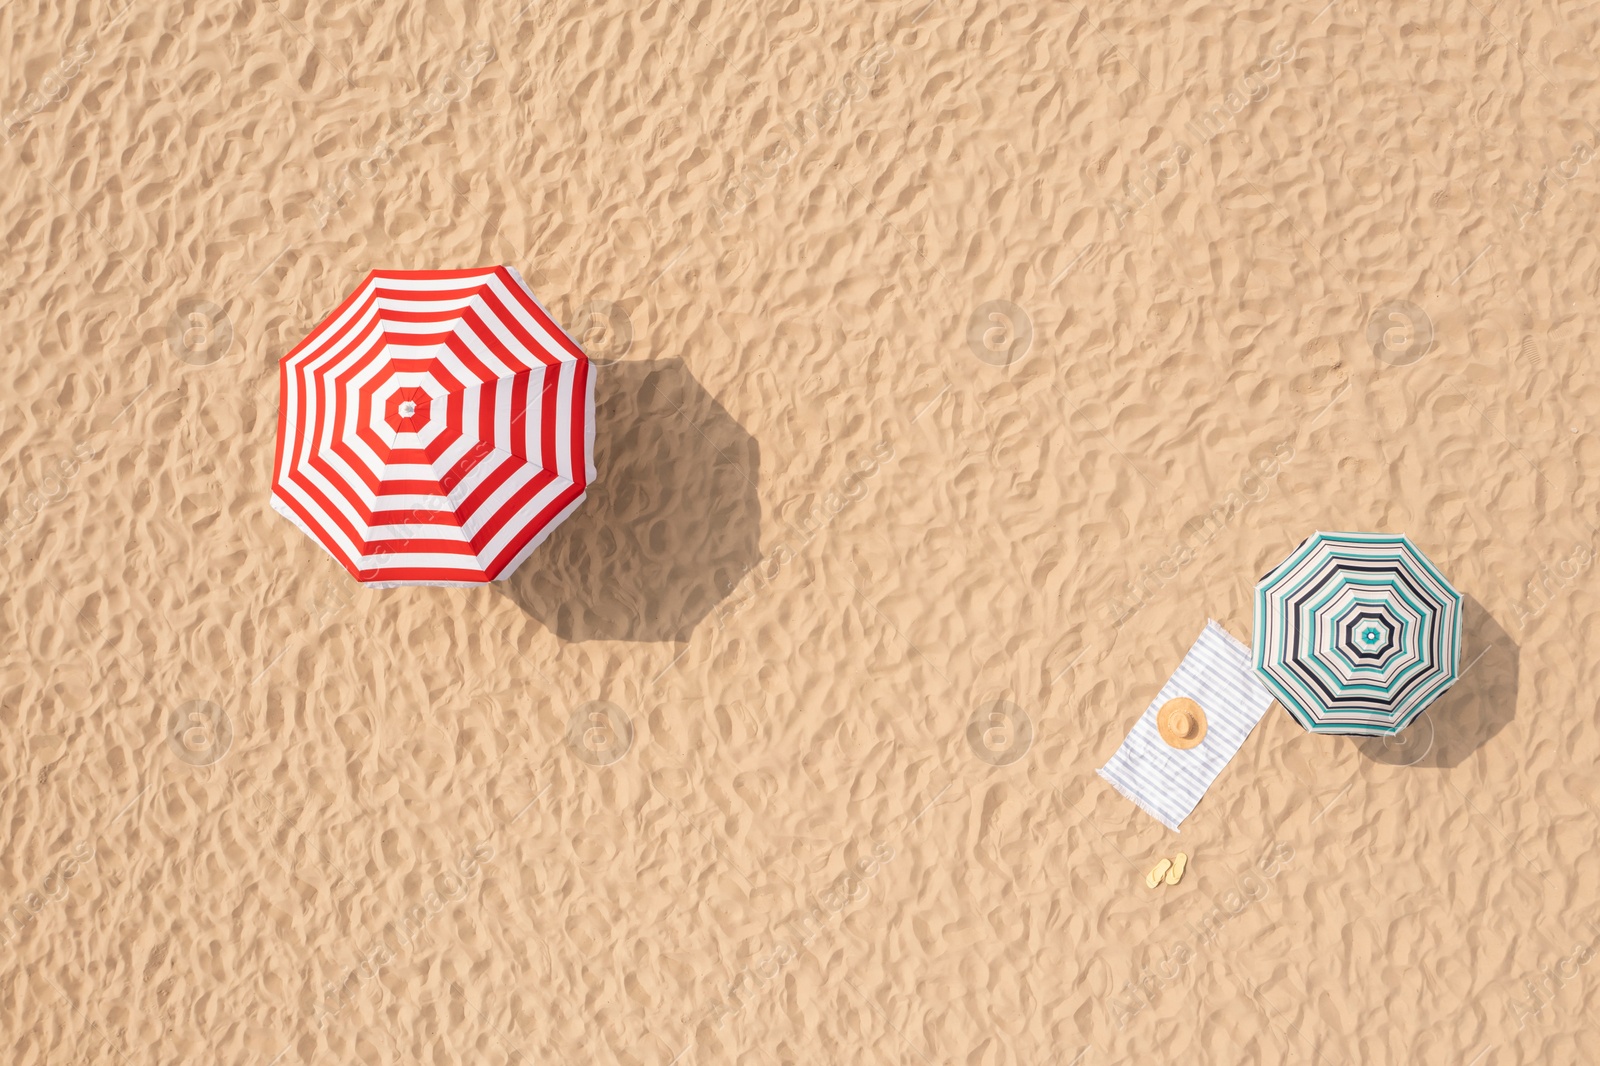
[[1167, 871]]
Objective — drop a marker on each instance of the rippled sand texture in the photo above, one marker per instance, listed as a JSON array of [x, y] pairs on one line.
[[963, 356]]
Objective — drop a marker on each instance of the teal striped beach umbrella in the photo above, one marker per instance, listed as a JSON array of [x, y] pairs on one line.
[[1356, 633]]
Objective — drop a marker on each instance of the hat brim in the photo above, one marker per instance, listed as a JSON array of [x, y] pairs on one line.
[[1169, 716]]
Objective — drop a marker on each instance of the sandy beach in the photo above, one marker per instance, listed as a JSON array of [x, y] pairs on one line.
[[955, 364]]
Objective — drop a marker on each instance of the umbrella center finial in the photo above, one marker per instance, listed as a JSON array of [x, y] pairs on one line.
[[408, 408], [1369, 635]]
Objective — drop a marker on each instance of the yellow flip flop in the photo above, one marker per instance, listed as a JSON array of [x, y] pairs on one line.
[[1179, 863], [1155, 876]]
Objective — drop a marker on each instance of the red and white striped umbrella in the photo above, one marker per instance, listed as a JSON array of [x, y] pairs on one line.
[[435, 428]]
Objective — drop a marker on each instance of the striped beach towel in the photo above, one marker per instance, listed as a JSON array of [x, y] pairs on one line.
[[1166, 781]]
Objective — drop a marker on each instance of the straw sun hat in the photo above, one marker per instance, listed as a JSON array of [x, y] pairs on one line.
[[1181, 722]]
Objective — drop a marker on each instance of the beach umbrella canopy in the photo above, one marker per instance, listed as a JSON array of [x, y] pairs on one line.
[[1356, 633], [435, 428]]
